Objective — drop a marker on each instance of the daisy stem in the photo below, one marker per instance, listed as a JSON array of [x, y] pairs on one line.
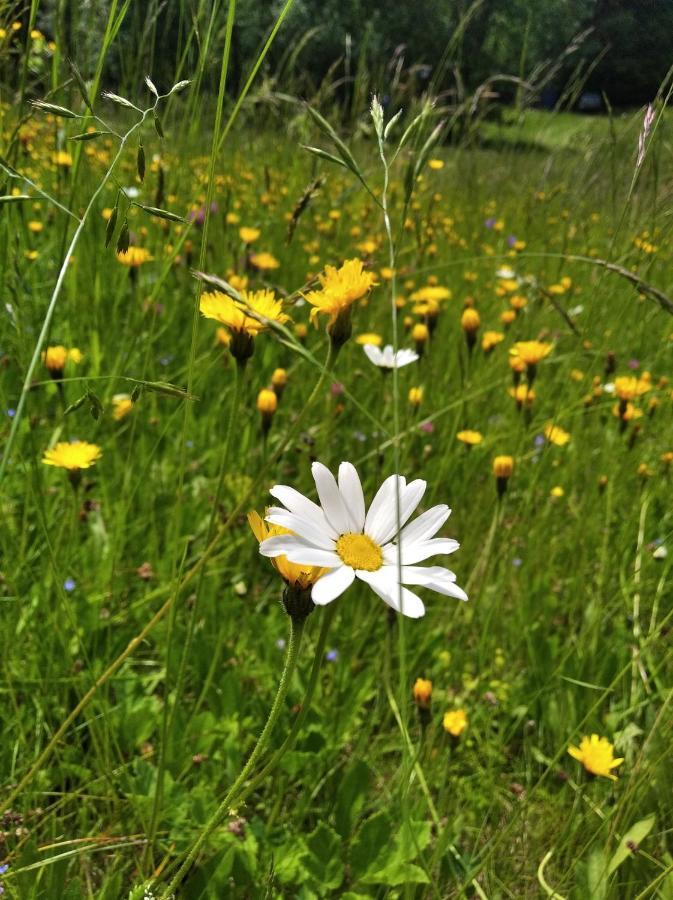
[[296, 632]]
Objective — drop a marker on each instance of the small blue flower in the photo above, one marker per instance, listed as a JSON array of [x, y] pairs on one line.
[[69, 584], [517, 561], [332, 655], [11, 413]]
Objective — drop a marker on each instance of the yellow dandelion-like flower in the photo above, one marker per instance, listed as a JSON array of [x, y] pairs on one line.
[[628, 387], [369, 337], [556, 435], [298, 576], [72, 456], [470, 438], [264, 261], [531, 352], [340, 288], [596, 755], [422, 692], [55, 358], [455, 722], [491, 339], [234, 314], [436, 164], [431, 292], [248, 235], [121, 406], [134, 257]]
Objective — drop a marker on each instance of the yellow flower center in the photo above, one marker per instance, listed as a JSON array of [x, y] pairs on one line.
[[359, 552]]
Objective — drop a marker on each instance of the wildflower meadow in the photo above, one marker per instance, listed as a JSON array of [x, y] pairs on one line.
[[336, 450]]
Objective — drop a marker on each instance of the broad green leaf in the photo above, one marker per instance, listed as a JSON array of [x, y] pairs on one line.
[[631, 840]]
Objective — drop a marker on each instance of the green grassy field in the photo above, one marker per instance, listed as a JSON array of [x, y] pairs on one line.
[[143, 637]]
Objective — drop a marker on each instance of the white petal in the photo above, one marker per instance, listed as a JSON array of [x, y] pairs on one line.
[[299, 525], [299, 551], [427, 524], [404, 357], [332, 585], [384, 583], [410, 496], [301, 506], [414, 553], [373, 354], [435, 578], [314, 556], [330, 498], [351, 491], [379, 515]]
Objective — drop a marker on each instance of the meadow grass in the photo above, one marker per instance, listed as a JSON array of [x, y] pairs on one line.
[[565, 632]]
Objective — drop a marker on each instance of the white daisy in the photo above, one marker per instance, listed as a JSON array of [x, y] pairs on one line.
[[386, 359], [341, 535]]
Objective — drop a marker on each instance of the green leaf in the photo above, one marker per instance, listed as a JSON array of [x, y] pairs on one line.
[[398, 873], [370, 849], [323, 860], [628, 846]]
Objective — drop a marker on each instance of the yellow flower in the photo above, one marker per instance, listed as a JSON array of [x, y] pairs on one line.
[[628, 387], [121, 406], [422, 692], [522, 394], [471, 438], [556, 435], [596, 755], [557, 491], [297, 576], [279, 380], [248, 235], [233, 315], [503, 466], [340, 288], [491, 339], [72, 456], [134, 257], [455, 722], [264, 261], [626, 411], [507, 316], [470, 321], [531, 352], [56, 357], [369, 338], [415, 396], [35, 227], [237, 319], [267, 402], [436, 164], [61, 158], [431, 292]]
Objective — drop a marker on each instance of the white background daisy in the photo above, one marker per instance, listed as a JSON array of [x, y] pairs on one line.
[[386, 359], [342, 535]]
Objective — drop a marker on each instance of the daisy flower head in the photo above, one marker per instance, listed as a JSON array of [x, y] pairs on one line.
[[340, 534], [339, 290], [387, 359]]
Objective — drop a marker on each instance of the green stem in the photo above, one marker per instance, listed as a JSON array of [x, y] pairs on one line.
[[169, 711], [296, 631]]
